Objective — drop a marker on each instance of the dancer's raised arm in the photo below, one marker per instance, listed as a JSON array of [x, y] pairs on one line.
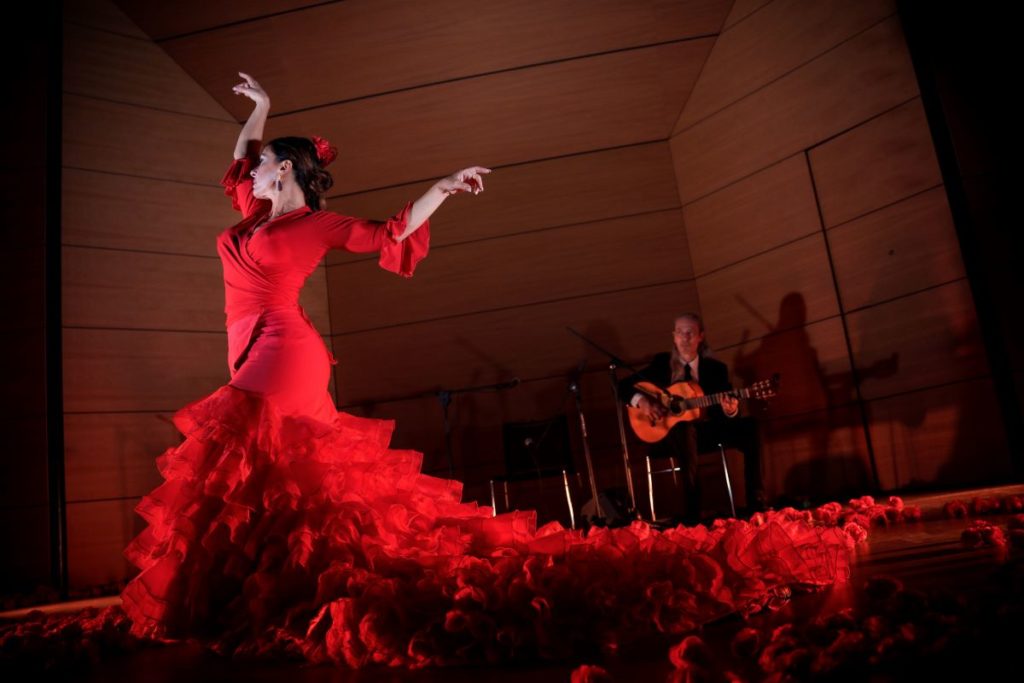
[[252, 132]]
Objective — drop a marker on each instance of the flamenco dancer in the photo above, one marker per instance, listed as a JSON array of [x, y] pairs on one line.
[[288, 528]]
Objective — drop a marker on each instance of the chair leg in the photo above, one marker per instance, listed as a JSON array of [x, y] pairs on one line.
[[650, 486], [494, 501], [675, 472], [568, 500], [508, 504], [728, 482]]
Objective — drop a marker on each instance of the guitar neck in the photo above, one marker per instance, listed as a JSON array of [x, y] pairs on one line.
[[708, 400]]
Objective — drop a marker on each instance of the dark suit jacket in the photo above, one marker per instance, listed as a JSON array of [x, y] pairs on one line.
[[713, 377]]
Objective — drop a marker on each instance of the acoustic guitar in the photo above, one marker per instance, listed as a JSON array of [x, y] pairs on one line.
[[685, 402]]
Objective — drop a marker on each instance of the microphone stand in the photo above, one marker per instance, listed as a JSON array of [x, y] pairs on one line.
[[574, 388], [614, 362], [444, 396]]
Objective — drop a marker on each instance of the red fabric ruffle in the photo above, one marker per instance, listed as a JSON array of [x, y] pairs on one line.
[[402, 257], [237, 174], [276, 534]]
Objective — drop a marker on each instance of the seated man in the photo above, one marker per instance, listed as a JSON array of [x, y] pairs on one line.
[[720, 423]]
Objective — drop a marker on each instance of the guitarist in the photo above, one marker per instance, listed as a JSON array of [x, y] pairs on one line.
[[719, 424]]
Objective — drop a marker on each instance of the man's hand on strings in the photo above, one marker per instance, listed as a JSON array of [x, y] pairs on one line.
[[652, 410], [731, 405]]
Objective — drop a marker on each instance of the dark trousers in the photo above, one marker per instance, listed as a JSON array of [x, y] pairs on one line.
[[685, 440]]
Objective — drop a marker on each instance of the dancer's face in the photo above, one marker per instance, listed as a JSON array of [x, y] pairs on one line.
[[687, 337], [266, 173]]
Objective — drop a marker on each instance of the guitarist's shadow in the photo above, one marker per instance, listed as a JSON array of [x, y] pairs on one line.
[[811, 432]]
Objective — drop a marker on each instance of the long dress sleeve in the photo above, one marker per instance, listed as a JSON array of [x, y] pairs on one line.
[[238, 185], [361, 235]]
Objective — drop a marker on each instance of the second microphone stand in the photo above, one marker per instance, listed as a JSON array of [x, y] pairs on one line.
[[614, 363]]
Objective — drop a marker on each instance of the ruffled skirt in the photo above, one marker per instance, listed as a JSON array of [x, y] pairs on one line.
[[289, 535]]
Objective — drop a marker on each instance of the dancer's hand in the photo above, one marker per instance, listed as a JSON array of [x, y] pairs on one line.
[[251, 89], [466, 180]]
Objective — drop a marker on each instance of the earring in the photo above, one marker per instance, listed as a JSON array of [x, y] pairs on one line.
[[279, 184]]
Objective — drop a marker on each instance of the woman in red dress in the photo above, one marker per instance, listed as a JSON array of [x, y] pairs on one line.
[[285, 525]]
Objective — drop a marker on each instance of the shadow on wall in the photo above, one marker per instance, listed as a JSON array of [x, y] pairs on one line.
[[812, 433]]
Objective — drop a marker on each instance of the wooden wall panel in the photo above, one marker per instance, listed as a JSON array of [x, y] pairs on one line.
[[514, 271], [101, 14], [779, 289], [917, 341], [133, 290], [761, 212], [537, 195], [527, 342], [125, 289], [164, 217], [119, 370], [97, 533], [950, 436], [113, 455], [864, 76], [784, 35], [146, 75], [813, 364], [166, 21], [898, 250], [424, 43], [126, 139], [516, 116], [875, 164]]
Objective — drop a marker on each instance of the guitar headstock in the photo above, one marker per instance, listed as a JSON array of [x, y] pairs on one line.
[[766, 388]]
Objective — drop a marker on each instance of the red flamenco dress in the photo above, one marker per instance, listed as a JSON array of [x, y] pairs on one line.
[[288, 528]]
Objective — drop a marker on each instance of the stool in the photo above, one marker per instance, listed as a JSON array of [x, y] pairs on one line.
[[504, 481], [673, 469]]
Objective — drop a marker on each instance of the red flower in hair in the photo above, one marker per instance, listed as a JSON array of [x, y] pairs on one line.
[[325, 151]]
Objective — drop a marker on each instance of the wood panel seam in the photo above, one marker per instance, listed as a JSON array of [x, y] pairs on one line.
[[513, 307], [488, 74], [560, 226], [498, 167], [142, 39], [176, 112]]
